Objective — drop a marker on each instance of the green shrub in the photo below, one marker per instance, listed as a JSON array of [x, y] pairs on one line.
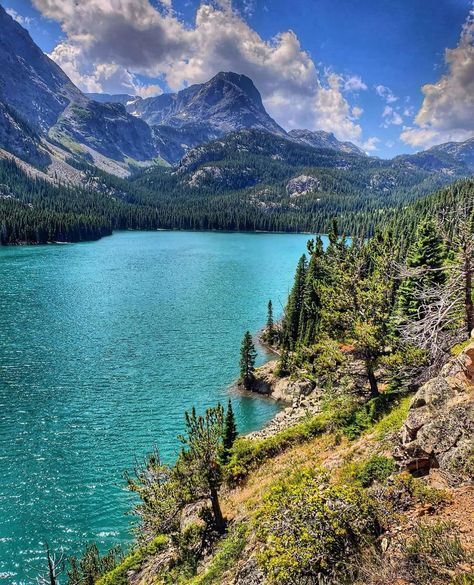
[[133, 562], [312, 530], [377, 468], [225, 557], [246, 454]]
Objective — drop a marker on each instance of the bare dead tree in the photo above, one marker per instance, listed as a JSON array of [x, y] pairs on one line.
[[55, 568], [457, 228], [437, 327]]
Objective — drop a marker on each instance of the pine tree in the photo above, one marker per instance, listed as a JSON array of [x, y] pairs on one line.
[[291, 322], [309, 318], [230, 433], [248, 355], [199, 465], [270, 327], [425, 260]]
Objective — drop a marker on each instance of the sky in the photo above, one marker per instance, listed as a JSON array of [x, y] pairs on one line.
[[392, 76]]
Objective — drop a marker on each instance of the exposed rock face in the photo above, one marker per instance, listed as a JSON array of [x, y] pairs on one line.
[[302, 185], [439, 430], [321, 139]]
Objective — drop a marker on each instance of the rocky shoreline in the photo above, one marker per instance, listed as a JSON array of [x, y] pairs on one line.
[[299, 397]]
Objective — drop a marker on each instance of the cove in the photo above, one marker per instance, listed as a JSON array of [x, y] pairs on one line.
[[103, 347]]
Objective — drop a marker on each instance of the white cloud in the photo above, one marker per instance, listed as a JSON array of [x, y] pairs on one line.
[[357, 112], [354, 83], [386, 94], [370, 144], [25, 21], [447, 111], [136, 39], [391, 117]]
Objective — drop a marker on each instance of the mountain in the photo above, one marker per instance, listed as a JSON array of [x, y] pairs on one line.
[[461, 152], [321, 139], [226, 103], [38, 102], [116, 98]]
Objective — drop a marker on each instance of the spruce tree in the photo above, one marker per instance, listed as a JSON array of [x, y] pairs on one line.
[[248, 354], [230, 433], [270, 327], [291, 322], [425, 259]]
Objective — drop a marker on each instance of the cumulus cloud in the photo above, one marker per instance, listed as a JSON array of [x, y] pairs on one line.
[[447, 111], [386, 94], [391, 117], [354, 83], [370, 144], [109, 42]]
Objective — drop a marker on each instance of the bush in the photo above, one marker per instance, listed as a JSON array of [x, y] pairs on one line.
[[225, 557], [133, 562], [377, 468], [313, 530], [246, 454]]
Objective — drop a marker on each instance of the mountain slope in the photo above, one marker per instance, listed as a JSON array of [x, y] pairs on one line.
[[461, 152], [39, 94], [226, 103], [321, 139]]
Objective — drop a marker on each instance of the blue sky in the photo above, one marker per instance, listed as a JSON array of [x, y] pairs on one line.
[[354, 68]]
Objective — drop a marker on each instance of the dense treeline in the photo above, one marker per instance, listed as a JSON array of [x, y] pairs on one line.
[[35, 211], [400, 298], [250, 194]]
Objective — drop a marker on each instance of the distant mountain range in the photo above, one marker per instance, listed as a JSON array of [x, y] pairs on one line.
[[183, 152]]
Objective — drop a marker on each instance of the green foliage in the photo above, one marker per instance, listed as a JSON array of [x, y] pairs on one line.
[[292, 320], [247, 454], [198, 469], [393, 421], [161, 496], [229, 434], [313, 530], [377, 468], [225, 557], [87, 569], [425, 259], [133, 562], [248, 354]]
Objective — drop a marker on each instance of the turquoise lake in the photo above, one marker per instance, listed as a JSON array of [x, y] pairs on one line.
[[103, 346]]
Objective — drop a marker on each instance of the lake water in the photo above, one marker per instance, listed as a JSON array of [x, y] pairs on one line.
[[103, 346]]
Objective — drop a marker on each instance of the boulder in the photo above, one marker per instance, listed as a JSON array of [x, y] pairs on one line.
[[439, 429]]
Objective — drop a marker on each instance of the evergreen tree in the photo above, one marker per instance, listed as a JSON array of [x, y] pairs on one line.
[[199, 464], [309, 318], [248, 355], [425, 260], [230, 433], [291, 322], [270, 326]]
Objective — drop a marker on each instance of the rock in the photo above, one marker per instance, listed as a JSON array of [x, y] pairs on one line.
[[439, 429], [250, 574], [302, 185]]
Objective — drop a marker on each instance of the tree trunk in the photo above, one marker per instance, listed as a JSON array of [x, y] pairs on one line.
[[468, 292], [374, 389], [216, 511]]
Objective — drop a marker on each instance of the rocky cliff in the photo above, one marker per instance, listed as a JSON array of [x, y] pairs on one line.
[[438, 433]]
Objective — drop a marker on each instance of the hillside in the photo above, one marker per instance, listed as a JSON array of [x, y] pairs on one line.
[[255, 180]]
